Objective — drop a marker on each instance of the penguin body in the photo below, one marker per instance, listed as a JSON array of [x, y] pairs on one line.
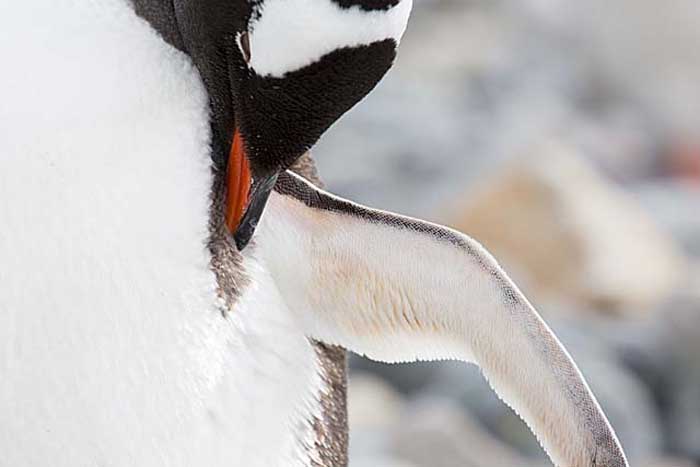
[[137, 327], [113, 345]]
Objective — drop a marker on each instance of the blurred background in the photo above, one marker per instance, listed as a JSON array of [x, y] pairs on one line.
[[565, 136]]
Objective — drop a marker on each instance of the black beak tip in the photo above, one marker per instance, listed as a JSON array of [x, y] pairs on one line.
[[260, 193], [243, 235]]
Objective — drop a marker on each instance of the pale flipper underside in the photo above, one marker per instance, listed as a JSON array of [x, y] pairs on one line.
[[398, 289]]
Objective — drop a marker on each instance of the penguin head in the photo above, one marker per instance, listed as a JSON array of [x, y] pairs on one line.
[[301, 64], [279, 73]]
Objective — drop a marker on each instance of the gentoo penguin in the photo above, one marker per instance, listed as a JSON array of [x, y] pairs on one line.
[[132, 329]]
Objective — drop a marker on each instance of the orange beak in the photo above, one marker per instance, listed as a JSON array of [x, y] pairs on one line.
[[238, 181]]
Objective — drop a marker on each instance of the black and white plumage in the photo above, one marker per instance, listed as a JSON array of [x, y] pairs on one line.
[[132, 331], [278, 74]]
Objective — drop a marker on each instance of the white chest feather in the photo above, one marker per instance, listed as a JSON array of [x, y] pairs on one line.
[[113, 349]]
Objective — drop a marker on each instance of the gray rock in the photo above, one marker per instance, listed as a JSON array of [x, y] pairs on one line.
[[435, 433], [553, 217], [465, 385], [675, 207], [379, 461], [407, 378], [679, 343], [374, 410], [666, 462]]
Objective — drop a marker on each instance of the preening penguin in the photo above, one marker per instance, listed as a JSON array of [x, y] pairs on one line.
[[278, 73], [131, 177]]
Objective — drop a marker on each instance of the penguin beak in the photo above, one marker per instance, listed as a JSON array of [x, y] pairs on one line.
[[260, 192], [245, 201]]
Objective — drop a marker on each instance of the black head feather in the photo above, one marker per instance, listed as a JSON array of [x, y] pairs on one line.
[[280, 118]]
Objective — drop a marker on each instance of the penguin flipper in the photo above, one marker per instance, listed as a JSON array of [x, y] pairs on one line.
[[398, 289]]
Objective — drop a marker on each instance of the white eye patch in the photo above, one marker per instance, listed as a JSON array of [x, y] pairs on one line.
[[288, 35]]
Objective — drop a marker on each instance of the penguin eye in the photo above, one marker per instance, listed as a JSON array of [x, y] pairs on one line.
[[244, 45]]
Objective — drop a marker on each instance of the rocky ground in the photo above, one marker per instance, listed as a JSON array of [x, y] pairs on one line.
[[565, 136]]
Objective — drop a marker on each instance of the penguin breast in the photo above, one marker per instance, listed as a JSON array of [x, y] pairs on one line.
[[113, 347]]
